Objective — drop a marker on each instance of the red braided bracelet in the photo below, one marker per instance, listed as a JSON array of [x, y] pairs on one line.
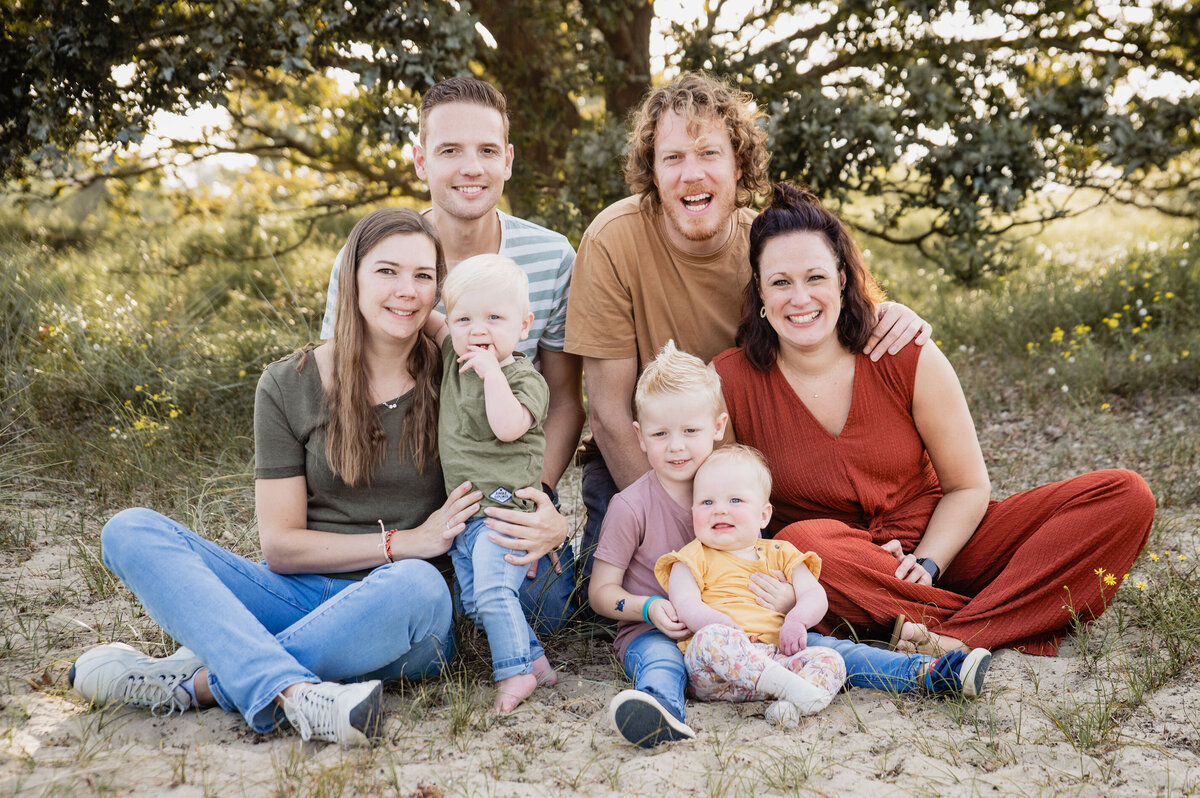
[[385, 541]]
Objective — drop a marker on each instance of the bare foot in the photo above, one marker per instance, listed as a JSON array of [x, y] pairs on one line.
[[546, 675], [915, 638], [514, 690]]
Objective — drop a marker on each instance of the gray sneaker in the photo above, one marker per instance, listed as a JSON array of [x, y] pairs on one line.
[[119, 674], [349, 714]]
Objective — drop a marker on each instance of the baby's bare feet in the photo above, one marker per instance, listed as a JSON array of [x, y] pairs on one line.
[[513, 690], [546, 675]]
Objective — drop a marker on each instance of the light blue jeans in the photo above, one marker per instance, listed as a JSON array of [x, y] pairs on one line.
[[259, 632], [877, 668], [489, 588], [655, 664]]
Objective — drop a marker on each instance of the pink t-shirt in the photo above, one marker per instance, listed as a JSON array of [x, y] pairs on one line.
[[642, 524]]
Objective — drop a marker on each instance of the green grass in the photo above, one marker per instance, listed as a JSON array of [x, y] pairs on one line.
[[131, 351]]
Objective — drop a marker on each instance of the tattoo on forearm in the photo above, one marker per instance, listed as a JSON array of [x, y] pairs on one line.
[[621, 605]]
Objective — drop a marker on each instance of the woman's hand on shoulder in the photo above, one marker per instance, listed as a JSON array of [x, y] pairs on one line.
[[537, 533], [895, 326]]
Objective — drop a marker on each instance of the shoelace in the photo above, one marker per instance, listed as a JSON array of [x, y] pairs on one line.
[[157, 693], [311, 715]]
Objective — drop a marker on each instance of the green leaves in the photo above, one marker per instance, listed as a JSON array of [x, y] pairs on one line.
[[935, 123]]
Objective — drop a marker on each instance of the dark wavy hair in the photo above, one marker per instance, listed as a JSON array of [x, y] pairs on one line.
[[699, 97], [797, 210]]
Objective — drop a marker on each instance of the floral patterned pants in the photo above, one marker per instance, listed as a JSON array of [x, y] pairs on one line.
[[724, 665]]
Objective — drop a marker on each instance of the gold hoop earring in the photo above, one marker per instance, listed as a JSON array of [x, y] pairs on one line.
[[762, 312]]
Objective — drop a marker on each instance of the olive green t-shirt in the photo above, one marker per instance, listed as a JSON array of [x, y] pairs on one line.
[[468, 447], [289, 440]]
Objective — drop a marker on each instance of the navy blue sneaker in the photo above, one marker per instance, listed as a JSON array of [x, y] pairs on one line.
[[644, 722], [959, 673]]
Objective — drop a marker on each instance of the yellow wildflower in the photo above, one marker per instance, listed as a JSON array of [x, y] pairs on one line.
[[1141, 586], [1153, 557], [1099, 572], [1110, 580], [1057, 335], [1182, 557], [1104, 406]]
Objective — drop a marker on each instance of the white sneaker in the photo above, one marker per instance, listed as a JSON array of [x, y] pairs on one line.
[[644, 722], [783, 714], [350, 714], [119, 674]]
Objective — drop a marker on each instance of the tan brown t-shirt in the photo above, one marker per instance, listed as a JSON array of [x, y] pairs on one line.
[[632, 291]]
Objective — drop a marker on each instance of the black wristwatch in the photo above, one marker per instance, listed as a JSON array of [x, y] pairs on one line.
[[930, 566]]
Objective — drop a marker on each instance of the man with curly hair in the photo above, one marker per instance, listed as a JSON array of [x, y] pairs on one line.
[[672, 262]]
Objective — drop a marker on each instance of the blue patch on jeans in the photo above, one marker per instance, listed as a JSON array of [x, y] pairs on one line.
[[500, 495]]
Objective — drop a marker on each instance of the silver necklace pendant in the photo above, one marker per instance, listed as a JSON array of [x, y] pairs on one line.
[[391, 405]]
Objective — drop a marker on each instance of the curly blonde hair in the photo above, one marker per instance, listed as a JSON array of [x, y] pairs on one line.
[[699, 97]]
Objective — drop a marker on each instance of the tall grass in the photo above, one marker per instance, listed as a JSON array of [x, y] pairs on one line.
[[131, 350]]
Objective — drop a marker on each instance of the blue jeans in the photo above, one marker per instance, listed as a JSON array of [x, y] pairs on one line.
[[547, 599], [597, 488], [259, 632], [655, 664], [878, 668], [489, 589]]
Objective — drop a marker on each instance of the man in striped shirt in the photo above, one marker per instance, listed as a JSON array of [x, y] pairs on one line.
[[465, 157]]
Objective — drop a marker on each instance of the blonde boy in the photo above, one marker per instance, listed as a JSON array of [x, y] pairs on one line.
[[680, 417], [492, 406]]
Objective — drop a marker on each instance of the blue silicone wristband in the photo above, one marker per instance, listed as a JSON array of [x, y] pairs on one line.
[[646, 609]]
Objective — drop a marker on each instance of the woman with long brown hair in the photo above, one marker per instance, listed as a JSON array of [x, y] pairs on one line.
[[350, 505]]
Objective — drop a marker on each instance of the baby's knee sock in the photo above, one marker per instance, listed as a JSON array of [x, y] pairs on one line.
[[778, 682]]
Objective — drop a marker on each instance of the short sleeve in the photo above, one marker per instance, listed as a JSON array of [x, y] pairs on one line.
[[620, 534], [278, 452], [554, 335], [600, 311], [691, 555], [783, 556], [530, 390]]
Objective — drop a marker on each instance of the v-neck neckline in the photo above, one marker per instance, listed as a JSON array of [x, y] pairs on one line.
[[779, 375]]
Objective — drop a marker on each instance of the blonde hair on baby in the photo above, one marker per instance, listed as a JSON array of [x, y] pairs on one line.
[[675, 372], [496, 274], [749, 458]]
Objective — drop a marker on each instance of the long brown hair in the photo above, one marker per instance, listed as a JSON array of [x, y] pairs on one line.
[[795, 210], [354, 439]]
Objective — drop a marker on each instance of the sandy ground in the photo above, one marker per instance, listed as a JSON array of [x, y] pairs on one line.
[[1067, 725]]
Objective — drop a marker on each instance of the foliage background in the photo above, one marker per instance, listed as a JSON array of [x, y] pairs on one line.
[[953, 116]]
